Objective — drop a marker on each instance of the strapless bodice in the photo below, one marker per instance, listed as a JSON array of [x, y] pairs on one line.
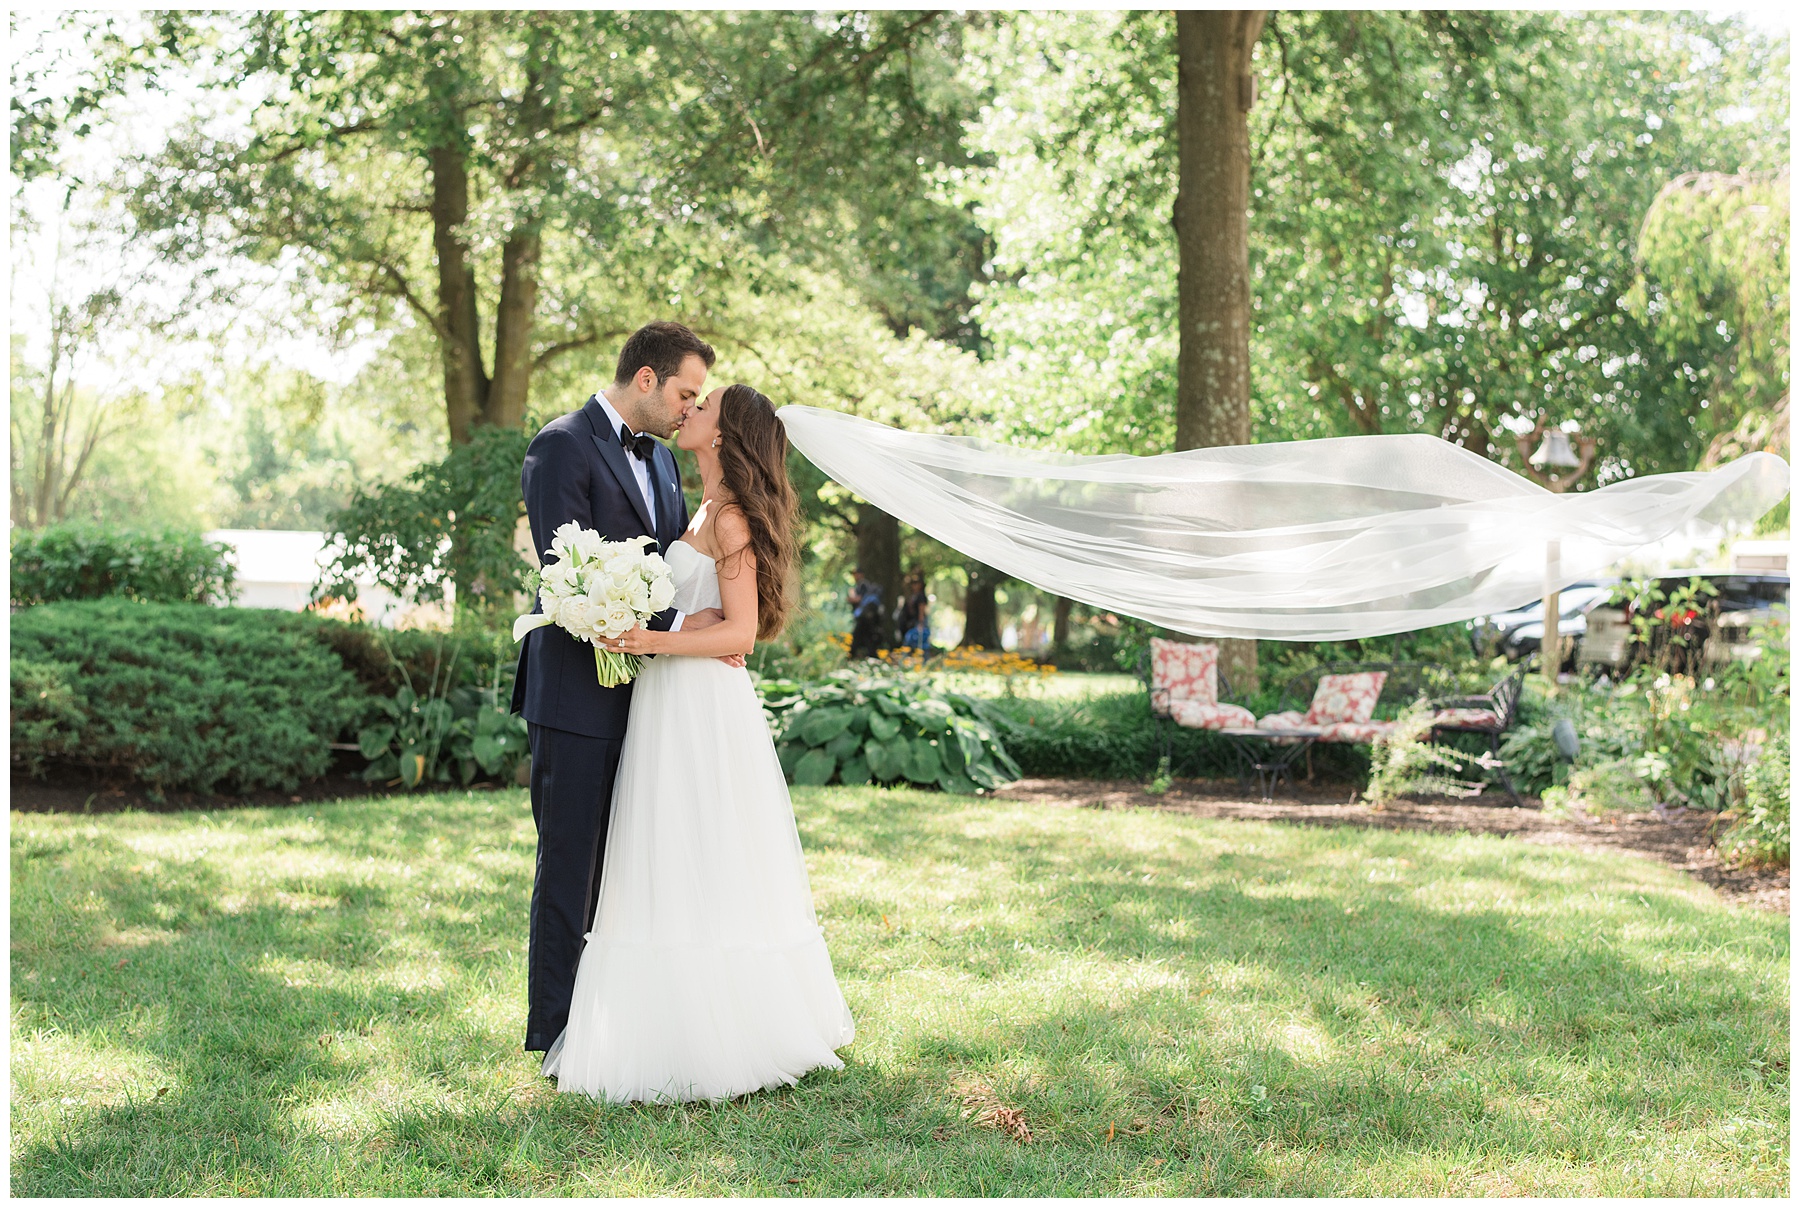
[[696, 577]]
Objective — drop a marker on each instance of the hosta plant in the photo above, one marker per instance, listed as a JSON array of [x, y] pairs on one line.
[[850, 729], [438, 739]]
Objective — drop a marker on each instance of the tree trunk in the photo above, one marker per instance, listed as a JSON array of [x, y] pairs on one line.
[[511, 387], [47, 434], [517, 310], [459, 326], [981, 615], [1059, 626], [878, 553], [1215, 91]]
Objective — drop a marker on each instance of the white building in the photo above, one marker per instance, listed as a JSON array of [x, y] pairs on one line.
[[276, 568]]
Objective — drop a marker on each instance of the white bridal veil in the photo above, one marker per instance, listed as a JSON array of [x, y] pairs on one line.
[[1304, 540]]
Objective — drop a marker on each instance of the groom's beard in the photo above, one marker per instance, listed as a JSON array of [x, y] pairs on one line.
[[653, 416]]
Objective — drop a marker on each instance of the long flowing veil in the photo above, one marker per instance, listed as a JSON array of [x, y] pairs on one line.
[[1303, 540]]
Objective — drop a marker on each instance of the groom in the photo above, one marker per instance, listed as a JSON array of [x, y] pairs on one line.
[[599, 467]]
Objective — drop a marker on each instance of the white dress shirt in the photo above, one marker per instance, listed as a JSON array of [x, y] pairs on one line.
[[640, 470], [640, 466]]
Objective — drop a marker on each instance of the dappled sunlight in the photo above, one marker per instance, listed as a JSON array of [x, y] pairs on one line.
[[1172, 999]]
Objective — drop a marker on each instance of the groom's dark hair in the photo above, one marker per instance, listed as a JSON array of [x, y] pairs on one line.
[[662, 346]]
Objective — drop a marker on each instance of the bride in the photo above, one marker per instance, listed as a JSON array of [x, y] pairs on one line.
[[705, 975]]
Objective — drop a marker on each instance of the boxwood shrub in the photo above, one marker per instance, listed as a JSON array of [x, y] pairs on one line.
[[179, 695], [1105, 737], [80, 560]]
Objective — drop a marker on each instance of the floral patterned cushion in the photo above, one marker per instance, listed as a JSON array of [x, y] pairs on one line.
[[1182, 671], [1198, 715], [1465, 717], [1345, 697], [1354, 731], [1292, 719]]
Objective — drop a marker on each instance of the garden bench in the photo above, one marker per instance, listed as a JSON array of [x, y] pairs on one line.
[[1344, 703]]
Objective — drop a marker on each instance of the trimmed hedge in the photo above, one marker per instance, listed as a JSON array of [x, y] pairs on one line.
[[179, 695], [79, 560], [1110, 737]]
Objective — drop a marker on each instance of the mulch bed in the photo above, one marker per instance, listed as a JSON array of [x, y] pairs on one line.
[[1679, 838]]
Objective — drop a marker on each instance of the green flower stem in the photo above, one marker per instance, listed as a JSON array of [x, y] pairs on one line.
[[615, 668]]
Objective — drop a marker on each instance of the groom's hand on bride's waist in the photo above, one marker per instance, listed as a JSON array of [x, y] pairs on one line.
[[703, 618]]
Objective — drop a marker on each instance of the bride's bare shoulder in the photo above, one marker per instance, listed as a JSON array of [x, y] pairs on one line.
[[731, 535]]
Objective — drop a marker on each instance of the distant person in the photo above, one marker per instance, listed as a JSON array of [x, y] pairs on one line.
[[915, 615], [867, 638]]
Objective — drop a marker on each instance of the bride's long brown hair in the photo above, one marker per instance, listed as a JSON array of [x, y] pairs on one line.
[[753, 448]]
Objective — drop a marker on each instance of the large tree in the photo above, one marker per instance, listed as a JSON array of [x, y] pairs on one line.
[[529, 184], [1215, 90], [1216, 86]]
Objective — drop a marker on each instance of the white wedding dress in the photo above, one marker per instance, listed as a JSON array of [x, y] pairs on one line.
[[705, 974]]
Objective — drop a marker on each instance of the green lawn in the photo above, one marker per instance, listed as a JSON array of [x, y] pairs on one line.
[[328, 1001]]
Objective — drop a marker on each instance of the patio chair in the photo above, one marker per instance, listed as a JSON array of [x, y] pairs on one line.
[[1491, 714], [1186, 688]]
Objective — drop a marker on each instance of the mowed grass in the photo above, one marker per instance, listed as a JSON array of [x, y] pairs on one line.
[[328, 1001]]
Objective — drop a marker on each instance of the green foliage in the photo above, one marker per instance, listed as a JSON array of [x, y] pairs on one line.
[[1444, 230], [851, 729], [78, 560], [443, 737], [1713, 254], [811, 647], [177, 695], [448, 521], [1402, 761], [1656, 735], [1760, 833], [753, 138], [1108, 737], [1662, 632], [461, 723]]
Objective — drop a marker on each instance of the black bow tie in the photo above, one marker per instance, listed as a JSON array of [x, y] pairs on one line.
[[638, 445]]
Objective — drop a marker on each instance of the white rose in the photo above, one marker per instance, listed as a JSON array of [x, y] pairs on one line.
[[638, 596], [618, 619], [579, 616], [552, 605]]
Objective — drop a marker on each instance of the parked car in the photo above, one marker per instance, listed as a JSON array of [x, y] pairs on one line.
[[1489, 635], [1574, 605], [1720, 628]]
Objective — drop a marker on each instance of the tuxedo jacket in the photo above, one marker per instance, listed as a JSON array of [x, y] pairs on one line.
[[576, 469]]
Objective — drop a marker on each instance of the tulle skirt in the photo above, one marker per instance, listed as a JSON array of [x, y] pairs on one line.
[[705, 974]]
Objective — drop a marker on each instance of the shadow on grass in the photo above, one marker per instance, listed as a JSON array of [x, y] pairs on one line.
[[1201, 1035]]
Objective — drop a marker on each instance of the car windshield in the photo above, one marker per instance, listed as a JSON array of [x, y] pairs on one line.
[[1578, 600]]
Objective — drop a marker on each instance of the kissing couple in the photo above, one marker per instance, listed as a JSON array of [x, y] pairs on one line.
[[674, 951]]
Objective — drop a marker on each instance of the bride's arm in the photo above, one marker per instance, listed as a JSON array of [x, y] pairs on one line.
[[736, 634]]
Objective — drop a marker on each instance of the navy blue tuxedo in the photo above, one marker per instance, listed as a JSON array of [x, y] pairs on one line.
[[576, 469]]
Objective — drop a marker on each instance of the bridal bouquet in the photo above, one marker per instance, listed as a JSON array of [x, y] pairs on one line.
[[599, 589]]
